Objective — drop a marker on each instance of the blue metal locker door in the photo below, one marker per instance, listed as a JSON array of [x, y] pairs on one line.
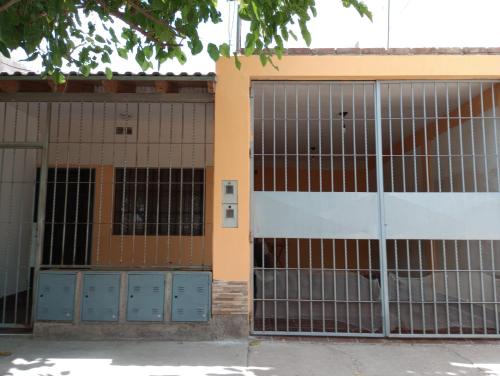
[[100, 296], [56, 296], [191, 297], [146, 296]]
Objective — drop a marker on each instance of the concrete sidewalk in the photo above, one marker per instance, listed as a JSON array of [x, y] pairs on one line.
[[249, 358]]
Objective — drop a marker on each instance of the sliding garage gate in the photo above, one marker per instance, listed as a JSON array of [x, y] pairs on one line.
[[376, 208]]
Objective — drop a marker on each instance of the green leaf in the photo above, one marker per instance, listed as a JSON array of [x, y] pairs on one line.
[[213, 51], [99, 39], [148, 51], [224, 50], [122, 52], [263, 59], [105, 58], [109, 73], [196, 46]]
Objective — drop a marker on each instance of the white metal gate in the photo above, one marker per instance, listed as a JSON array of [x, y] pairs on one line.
[[23, 153], [376, 208]]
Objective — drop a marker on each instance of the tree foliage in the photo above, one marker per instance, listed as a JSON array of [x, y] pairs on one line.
[[82, 34]]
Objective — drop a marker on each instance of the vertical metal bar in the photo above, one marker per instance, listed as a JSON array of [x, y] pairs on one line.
[[137, 169], [192, 185], [391, 142], [494, 274], [91, 181], [297, 138], [311, 311], [66, 184], [485, 151], [450, 166], [33, 211], [330, 114], [434, 300], [459, 292], [410, 294], [56, 167], [461, 138], [472, 137], [342, 130], [263, 283], [445, 267], [396, 272], [299, 292], [42, 199], [204, 198], [413, 137], [370, 274], [159, 185], [170, 183], [422, 296], [335, 306], [358, 271], [381, 211], [275, 297], [471, 298], [274, 137], [322, 285], [181, 199], [263, 145], [286, 140], [355, 156], [308, 144], [75, 233], [101, 185], [320, 141], [497, 160], [20, 227], [346, 281], [367, 179], [436, 125], [426, 151], [149, 183], [401, 115], [481, 273], [287, 291]]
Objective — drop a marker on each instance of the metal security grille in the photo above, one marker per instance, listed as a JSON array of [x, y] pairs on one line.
[[442, 183], [375, 208], [315, 272], [132, 183], [115, 184], [22, 126]]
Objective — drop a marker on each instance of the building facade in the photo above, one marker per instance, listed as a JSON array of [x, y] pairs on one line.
[[346, 193]]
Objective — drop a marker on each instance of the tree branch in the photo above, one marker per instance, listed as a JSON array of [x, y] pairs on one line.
[[153, 18], [147, 34], [8, 4]]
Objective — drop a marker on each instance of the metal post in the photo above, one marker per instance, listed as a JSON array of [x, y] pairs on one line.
[[381, 209], [42, 198]]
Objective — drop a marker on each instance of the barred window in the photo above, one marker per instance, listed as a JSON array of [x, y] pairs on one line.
[[158, 201]]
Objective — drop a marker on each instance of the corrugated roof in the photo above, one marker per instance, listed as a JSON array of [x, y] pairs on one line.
[[126, 75]]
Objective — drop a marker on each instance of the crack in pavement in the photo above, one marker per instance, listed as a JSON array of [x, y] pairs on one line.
[[356, 365], [482, 371]]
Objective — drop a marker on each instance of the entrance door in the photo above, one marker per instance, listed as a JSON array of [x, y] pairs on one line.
[[315, 209], [68, 217]]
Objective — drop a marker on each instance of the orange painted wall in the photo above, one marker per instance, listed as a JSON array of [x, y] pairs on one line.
[[233, 134], [138, 251]]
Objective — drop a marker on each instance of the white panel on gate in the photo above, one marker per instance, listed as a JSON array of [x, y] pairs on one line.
[[442, 215], [339, 215]]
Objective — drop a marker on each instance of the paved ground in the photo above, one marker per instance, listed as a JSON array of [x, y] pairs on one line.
[[26, 356]]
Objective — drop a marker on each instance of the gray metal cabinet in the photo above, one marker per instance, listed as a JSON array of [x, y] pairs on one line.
[[191, 296], [146, 296], [56, 296], [100, 296]]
